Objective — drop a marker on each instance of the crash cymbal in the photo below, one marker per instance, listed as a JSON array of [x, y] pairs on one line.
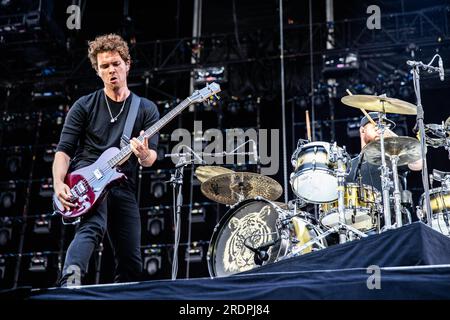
[[203, 173], [379, 104], [230, 188], [406, 148]]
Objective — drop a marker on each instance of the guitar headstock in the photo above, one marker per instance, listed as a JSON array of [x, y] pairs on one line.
[[203, 94]]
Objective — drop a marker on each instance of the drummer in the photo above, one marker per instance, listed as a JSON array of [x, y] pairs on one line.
[[370, 174]]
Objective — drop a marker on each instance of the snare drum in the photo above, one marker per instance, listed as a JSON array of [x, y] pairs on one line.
[[313, 179], [362, 207], [251, 224], [440, 209]]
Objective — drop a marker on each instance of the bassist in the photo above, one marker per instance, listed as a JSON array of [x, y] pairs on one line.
[[95, 123]]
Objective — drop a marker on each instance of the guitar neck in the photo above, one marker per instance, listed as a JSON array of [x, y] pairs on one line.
[[126, 151]]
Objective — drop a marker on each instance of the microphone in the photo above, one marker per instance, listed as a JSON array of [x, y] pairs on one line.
[[441, 69]]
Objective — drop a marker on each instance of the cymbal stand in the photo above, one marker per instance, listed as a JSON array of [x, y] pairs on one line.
[[419, 123], [397, 194], [385, 181]]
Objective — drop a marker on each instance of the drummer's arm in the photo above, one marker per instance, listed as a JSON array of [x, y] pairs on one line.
[[416, 165]]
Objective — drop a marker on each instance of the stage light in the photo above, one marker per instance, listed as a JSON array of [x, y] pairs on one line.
[[5, 230], [49, 153], [155, 222], [42, 225], [194, 253], [303, 102], [353, 129], [46, 188], [158, 186], [7, 199], [152, 260], [163, 146], [13, 164], [198, 213], [336, 66], [319, 100], [250, 105], [2, 267], [210, 74], [405, 91], [38, 263]]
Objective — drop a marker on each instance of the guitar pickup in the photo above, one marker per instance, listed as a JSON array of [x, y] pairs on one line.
[[79, 188], [98, 174]]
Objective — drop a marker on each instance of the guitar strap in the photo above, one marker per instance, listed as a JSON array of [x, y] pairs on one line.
[[131, 119]]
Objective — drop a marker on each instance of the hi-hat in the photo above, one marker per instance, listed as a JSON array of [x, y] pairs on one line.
[[379, 104], [230, 188], [407, 150], [203, 173]]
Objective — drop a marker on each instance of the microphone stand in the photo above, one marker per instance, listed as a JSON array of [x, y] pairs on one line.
[[176, 181], [421, 126]]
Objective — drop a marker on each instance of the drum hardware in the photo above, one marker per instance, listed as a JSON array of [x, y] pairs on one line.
[[261, 252], [416, 65], [399, 151]]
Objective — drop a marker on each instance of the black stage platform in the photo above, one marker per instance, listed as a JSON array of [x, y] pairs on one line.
[[414, 263]]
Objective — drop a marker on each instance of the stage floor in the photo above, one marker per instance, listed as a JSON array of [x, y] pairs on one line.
[[412, 262]]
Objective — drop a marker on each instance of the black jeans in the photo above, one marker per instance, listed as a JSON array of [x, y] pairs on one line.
[[118, 213]]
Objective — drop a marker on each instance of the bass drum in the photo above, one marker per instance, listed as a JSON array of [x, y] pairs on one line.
[[250, 225]]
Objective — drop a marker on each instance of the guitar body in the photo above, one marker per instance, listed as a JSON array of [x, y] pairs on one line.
[[89, 184]]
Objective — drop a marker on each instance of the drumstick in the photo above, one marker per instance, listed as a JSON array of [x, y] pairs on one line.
[[371, 120], [308, 126]]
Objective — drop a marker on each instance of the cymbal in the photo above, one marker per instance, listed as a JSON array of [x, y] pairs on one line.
[[406, 148], [379, 104], [230, 188], [203, 173]]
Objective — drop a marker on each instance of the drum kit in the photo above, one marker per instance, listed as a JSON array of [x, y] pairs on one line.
[[257, 230]]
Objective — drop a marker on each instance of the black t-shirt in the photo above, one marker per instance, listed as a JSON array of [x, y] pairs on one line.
[[88, 131], [370, 174]]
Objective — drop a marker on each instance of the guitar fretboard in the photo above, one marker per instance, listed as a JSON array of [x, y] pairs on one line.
[[126, 151]]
